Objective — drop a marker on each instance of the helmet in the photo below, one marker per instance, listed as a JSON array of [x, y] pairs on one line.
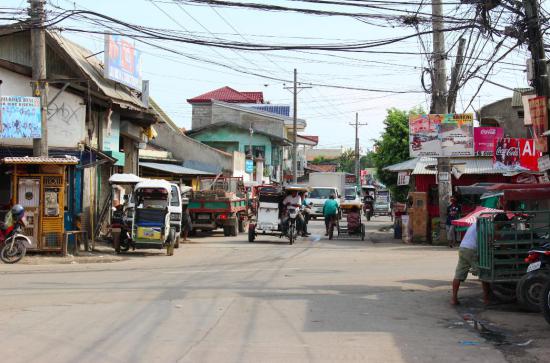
[[17, 210]]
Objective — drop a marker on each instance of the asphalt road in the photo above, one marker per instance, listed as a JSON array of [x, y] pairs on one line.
[[225, 300]]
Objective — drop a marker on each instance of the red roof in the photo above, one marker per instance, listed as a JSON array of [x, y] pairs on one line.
[[228, 94], [321, 167], [314, 139]]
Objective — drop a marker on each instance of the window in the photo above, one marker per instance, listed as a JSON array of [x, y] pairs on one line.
[[257, 150], [175, 200]]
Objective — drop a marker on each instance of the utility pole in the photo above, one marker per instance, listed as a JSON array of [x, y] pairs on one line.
[[453, 87], [357, 157], [439, 102], [39, 84], [295, 90]]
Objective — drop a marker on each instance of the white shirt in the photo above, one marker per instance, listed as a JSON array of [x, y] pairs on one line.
[[470, 238], [290, 200]]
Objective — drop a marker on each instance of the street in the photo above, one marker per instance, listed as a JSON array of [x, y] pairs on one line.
[[225, 300]]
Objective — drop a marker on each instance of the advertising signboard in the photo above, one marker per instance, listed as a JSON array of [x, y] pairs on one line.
[[403, 178], [249, 166], [516, 155], [539, 119], [20, 117], [484, 140], [122, 61], [447, 135]]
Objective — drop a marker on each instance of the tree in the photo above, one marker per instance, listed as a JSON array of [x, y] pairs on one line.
[[346, 161], [367, 160], [392, 148]]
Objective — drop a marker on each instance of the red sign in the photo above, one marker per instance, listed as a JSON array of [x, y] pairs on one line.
[[484, 140], [515, 155], [539, 119]]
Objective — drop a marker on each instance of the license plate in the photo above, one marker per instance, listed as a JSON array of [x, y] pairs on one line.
[[534, 266], [203, 216]]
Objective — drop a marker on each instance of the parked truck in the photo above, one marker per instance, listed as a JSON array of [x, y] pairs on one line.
[[220, 202], [323, 184]]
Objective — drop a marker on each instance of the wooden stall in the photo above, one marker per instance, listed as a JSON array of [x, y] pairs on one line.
[[39, 184]]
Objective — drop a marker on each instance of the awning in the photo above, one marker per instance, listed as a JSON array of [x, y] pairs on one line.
[[68, 160], [407, 165], [475, 165], [174, 169]]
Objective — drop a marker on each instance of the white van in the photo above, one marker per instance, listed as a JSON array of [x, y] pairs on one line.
[[318, 197]]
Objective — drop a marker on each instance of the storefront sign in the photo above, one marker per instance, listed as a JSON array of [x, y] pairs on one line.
[[539, 117], [484, 140], [122, 61], [447, 135], [20, 117], [544, 163], [403, 178], [249, 166], [516, 155]]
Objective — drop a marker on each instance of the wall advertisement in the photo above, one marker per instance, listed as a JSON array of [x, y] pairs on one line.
[[516, 155], [538, 111], [484, 140], [20, 117], [122, 61], [446, 135]]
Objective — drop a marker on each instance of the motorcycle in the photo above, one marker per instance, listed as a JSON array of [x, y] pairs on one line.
[[292, 230], [368, 210], [120, 231], [532, 286], [13, 244]]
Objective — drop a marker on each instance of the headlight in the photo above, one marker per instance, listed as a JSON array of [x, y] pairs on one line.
[[175, 216]]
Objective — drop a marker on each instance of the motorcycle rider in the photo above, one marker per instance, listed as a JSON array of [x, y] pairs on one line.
[[293, 200], [330, 211], [15, 214]]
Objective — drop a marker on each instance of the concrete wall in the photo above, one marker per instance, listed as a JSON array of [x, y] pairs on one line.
[[235, 135], [201, 115], [185, 148], [508, 117], [66, 115]]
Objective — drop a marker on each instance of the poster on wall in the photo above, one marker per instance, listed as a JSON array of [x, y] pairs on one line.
[[538, 111], [515, 155], [122, 61], [447, 135], [484, 140], [20, 117]]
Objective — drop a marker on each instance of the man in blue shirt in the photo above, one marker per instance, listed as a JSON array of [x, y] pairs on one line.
[[330, 210]]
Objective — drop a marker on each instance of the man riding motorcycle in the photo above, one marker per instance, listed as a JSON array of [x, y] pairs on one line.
[[293, 200]]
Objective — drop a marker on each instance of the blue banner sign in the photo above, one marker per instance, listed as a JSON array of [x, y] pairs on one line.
[[20, 117], [122, 61], [249, 166]]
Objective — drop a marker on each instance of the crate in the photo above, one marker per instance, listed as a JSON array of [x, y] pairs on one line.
[[504, 245]]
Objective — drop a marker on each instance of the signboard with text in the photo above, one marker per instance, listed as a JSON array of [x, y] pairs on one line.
[[538, 111], [20, 117], [403, 178], [515, 155], [122, 61], [446, 135], [484, 140]]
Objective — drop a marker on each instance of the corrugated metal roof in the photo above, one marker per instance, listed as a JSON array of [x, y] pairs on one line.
[[516, 97], [174, 169], [93, 67], [403, 166], [477, 165], [68, 160]]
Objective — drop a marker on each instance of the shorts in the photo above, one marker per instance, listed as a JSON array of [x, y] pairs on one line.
[[467, 260], [451, 233]]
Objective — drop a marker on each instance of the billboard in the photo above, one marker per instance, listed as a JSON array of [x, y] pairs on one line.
[[122, 61], [447, 135], [538, 112], [20, 117], [484, 140], [515, 155]]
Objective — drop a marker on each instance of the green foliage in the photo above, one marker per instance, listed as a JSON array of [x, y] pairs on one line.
[[346, 161], [392, 148], [322, 160], [367, 161]]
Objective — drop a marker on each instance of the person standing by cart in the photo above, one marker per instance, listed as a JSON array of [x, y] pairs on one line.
[[186, 225], [330, 211]]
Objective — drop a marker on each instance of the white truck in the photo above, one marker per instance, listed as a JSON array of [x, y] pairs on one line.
[[323, 185]]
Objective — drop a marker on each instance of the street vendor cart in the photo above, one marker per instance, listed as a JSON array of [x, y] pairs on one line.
[[343, 227]]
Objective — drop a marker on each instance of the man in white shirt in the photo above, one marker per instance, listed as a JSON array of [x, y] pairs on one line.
[[467, 260], [293, 200]]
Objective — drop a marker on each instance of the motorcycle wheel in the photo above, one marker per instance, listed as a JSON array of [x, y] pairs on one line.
[[529, 291], [368, 217], [291, 233], [545, 302], [13, 253], [251, 234]]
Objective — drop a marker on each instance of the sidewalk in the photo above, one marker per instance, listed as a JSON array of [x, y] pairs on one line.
[[101, 254]]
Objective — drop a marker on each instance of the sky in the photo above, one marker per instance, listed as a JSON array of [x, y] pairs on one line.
[[328, 111]]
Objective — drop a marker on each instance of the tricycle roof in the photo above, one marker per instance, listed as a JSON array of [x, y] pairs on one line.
[[348, 204], [154, 184], [125, 179], [297, 187]]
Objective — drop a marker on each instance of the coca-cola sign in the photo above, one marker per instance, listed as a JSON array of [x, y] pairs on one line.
[[484, 140], [515, 154]]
